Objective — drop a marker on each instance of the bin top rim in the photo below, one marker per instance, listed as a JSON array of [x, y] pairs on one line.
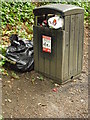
[[62, 8]]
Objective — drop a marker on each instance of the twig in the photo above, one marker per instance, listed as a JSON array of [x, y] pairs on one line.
[[1, 56]]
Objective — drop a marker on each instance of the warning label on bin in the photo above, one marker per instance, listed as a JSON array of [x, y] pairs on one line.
[[46, 43]]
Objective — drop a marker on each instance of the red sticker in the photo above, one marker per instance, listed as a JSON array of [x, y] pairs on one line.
[[46, 43]]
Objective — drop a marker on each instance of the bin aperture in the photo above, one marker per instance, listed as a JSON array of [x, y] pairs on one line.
[[50, 21]]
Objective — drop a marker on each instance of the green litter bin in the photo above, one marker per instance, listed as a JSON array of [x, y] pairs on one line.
[[58, 53]]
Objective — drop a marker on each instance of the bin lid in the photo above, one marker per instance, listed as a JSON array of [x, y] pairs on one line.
[[63, 9]]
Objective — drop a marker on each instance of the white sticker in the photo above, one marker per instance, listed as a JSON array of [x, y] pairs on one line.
[[46, 43]]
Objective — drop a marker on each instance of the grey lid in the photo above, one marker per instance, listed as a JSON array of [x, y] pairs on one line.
[[63, 9]]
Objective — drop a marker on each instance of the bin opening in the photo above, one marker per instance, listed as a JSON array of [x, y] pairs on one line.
[[50, 21]]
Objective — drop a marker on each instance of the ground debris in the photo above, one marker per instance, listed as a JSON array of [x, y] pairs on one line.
[[82, 100], [26, 78], [42, 104], [39, 103], [40, 78], [8, 81], [55, 89], [8, 100], [33, 80], [74, 80], [10, 86], [57, 85], [14, 75], [18, 89]]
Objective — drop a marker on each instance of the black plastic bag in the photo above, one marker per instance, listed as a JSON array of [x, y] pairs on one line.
[[21, 52]]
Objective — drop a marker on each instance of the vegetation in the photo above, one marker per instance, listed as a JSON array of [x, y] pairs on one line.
[[84, 4], [16, 17]]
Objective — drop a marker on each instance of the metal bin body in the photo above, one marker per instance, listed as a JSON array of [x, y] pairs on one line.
[[66, 57]]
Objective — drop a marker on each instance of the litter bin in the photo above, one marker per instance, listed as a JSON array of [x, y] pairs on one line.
[[58, 52]]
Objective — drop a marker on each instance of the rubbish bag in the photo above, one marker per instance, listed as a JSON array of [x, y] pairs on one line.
[[55, 22], [21, 51]]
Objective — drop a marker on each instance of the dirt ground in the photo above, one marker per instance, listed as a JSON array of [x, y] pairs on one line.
[[32, 97]]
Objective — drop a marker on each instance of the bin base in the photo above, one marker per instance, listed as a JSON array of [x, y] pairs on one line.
[[59, 81], [70, 80]]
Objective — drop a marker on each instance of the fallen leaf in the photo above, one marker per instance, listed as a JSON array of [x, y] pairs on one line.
[[40, 78], [2, 104], [8, 81], [19, 89], [27, 78], [56, 85], [72, 93], [10, 86], [33, 80], [11, 116], [6, 100], [12, 79], [9, 100], [14, 75], [74, 80], [44, 105], [4, 72], [39, 103], [82, 100]]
